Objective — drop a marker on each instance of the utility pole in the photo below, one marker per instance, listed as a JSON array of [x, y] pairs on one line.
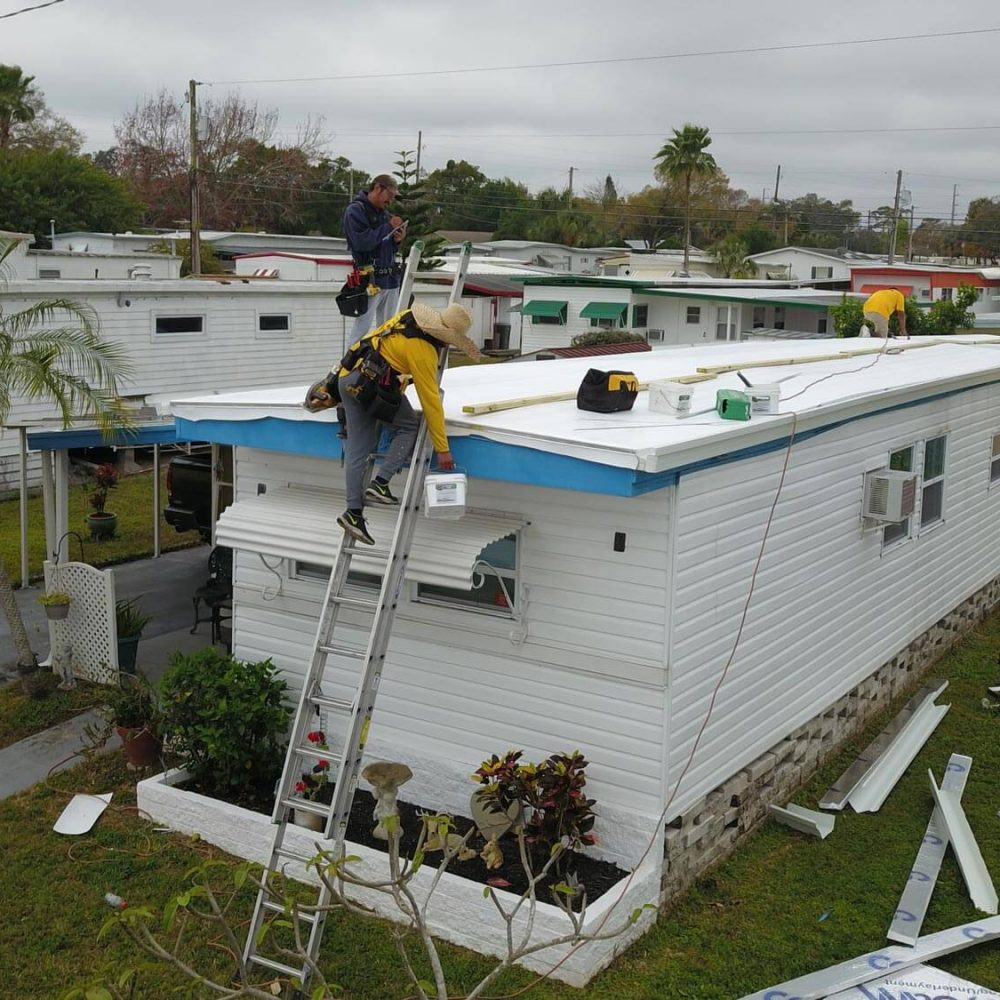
[[895, 217], [195, 225], [954, 202], [777, 182], [420, 142], [571, 169], [909, 239]]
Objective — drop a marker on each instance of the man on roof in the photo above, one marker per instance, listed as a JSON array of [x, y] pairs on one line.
[[370, 390], [880, 306], [372, 236]]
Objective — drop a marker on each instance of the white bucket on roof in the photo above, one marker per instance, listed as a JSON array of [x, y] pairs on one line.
[[764, 398], [444, 494], [667, 396]]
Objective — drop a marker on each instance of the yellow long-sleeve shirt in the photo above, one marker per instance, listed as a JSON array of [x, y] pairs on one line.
[[418, 358], [886, 301]]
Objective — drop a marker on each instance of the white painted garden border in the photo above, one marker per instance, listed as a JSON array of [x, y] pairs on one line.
[[458, 912]]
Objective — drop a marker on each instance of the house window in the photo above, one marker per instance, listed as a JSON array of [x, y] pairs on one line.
[[759, 316], [558, 320], [487, 595], [821, 325], [274, 322], [932, 491], [608, 324], [640, 316], [995, 459], [49, 272], [301, 570], [694, 314], [179, 324], [946, 294], [779, 317], [822, 273], [899, 461]]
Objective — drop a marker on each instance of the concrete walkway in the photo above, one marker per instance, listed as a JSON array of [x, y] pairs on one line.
[[166, 586]]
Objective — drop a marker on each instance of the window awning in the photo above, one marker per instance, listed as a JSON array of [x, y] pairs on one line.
[[301, 523], [543, 307], [604, 310]]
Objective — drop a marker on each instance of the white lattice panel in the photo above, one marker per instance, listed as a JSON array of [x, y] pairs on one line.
[[90, 626]]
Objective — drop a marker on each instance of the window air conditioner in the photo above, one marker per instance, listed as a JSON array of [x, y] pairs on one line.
[[889, 496], [654, 335]]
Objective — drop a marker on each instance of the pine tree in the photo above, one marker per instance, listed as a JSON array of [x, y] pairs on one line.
[[411, 204]]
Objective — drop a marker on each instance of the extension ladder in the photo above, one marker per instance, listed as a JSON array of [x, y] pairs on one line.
[[355, 714]]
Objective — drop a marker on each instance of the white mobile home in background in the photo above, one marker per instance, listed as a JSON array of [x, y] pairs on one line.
[[654, 565]]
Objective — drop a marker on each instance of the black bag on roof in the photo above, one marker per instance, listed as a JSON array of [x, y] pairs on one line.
[[607, 392]]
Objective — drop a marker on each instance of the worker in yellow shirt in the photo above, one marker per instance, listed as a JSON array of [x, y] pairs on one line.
[[368, 386], [880, 306]]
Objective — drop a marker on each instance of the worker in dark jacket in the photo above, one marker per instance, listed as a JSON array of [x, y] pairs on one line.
[[372, 237], [369, 386]]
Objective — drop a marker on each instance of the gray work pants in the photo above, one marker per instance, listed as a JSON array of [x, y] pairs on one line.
[[379, 310], [363, 433]]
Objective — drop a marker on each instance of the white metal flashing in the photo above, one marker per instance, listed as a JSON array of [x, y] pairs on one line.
[[873, 789], [299, 522], [804, 820], [865, 968], [916, 897], [841, 790], [963, 843]]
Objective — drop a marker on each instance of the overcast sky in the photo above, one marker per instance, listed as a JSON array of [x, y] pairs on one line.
[[95, 58]]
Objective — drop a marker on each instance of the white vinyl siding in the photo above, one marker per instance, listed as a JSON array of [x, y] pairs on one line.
[[584, 670], [827, 608]]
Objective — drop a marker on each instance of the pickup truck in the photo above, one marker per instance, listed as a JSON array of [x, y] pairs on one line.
[[189, 494]]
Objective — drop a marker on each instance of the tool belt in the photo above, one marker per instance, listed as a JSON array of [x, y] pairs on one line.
[[377, 391]]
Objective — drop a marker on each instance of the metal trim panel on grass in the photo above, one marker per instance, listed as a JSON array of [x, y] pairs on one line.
[[963, 843], [874, 965], [916, 896], [808, 821], [840, 791]]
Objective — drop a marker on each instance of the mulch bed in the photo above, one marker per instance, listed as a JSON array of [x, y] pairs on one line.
[[597, 877]]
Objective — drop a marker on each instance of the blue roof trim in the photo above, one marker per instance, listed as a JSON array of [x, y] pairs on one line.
[[139, 437], [487, 459]]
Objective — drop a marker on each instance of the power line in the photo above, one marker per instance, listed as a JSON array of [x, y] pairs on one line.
[[26, 10], [622, 59]]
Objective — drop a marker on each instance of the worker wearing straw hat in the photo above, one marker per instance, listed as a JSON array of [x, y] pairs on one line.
[[369, 388]]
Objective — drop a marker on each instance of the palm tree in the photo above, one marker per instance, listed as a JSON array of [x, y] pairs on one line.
[[730, 255], [16, 105], [684, 158], [53, 351]]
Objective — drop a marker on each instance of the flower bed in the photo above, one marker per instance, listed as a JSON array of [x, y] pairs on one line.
[[457, 913]]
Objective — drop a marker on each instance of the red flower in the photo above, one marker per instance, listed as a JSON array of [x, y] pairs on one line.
[[324, 764], [317, 737], [300, 787]]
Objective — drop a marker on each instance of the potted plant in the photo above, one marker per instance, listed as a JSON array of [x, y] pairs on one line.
[[132, 710], [102, 523], [314, 785], [129, 621], [56, 604]]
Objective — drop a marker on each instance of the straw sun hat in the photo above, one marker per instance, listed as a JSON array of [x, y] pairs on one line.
[[450, 326]]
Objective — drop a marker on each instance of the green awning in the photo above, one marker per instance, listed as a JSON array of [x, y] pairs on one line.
[[604, 310], [543, 307]]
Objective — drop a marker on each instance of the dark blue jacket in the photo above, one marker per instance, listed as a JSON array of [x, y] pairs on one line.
[[368, 230]]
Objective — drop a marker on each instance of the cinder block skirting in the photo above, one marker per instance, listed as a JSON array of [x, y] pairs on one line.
[[457, 911], [713, 828]]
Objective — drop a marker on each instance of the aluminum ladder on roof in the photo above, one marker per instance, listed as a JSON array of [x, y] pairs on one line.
[[355, 714]]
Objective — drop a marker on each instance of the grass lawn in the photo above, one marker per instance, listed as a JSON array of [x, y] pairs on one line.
[[131, 500], [785, 905], [21, 716]]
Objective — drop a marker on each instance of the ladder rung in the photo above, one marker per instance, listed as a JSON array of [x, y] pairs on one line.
[[294, 855], [306, 805], [333, 649], [333, 758], [369, 553], [267, 904], [336, 704], [362, 603], [275, 966]]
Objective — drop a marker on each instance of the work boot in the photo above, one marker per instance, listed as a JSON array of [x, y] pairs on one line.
[[378, 492], [353, 523]]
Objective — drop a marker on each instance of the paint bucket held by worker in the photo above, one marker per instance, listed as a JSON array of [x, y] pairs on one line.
[[671, 397], [764, 398], [445, 494]]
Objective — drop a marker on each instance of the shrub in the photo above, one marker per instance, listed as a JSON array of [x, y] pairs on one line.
[[227, 719], [596, 337], [555, 811], [105, 478]]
